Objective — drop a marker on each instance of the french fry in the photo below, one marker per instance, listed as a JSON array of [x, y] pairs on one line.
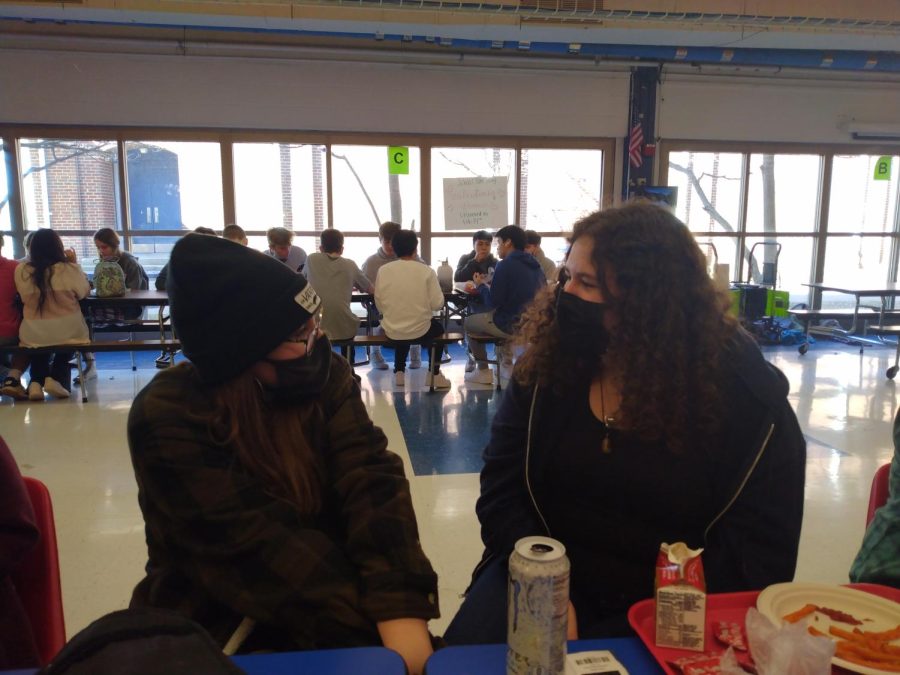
[[868, 648], [801, 613]]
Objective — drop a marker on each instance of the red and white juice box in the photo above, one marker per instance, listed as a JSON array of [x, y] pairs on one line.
[[680, 598]]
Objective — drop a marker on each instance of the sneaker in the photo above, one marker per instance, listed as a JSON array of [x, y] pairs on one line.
[[480, 376], [163, 360], [438, 381], [35, 392], [470, 363], [378, 361], [13, 387], [399, 378], [415, 356], [90, 373], [55, 389]]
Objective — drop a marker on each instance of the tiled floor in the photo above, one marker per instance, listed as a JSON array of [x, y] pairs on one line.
[[843, 400]]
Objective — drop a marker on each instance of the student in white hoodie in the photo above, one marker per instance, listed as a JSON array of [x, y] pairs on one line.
[[50, 287], [408, 293]]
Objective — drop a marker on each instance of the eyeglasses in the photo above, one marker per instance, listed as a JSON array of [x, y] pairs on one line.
[[311, 336]]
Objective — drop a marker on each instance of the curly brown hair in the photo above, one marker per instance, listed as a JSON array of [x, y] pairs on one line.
[[673, 326]]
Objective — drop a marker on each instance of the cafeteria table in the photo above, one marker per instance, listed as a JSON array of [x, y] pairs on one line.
[[356, 661], [491, 659]]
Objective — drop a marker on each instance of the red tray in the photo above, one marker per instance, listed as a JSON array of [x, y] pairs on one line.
[[719, 607]]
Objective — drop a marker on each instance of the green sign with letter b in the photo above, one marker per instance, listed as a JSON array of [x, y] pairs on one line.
[[883, 168]]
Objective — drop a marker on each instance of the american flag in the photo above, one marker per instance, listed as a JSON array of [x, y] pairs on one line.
[[635, 141]]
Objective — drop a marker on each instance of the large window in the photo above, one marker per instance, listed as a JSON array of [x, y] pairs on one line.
[[559, 187], [859, 203], [280, 184], [171, 186], [153, 187], [366, 194], [709, 189], [70, 185], [783, 193]]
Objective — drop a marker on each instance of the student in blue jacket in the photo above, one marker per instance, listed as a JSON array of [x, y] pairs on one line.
[[517, 277], [640, 413]]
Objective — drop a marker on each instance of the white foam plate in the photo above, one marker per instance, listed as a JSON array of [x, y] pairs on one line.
[[876, 613]]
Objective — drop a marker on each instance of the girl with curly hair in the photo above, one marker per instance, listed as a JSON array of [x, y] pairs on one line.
[[639, 413]]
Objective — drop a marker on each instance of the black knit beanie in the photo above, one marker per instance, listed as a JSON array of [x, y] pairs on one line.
[[232, 305]]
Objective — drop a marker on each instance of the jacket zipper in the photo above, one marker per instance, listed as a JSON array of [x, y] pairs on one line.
[[528, 461], [740, 488]]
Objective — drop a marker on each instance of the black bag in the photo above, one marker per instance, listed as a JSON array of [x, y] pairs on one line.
[[141, 641]]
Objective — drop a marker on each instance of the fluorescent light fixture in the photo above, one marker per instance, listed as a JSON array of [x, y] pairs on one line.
[[874, 131]]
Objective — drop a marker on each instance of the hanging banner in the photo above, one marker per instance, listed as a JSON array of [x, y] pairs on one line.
[[882, 168], [476, 203], [398, 160]]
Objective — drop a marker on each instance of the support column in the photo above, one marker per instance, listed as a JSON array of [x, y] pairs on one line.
[[640, 143]]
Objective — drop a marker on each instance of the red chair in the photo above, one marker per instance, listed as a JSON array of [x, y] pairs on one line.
[[879, 495], [37, 579]]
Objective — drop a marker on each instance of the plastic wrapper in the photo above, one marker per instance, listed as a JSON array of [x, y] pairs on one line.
[[789, 650]]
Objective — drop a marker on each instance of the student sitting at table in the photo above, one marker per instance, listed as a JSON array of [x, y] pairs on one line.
[[334, 277], [10, 318], [281, 247], [270, 499], [517, 278], [878, 560], [370, 267], [533, 246], [480, 260], [408, 293], [235, 233], [640, 413], [107, 242], [50, 287]]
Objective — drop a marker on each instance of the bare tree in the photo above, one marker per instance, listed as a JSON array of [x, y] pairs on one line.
[[767, 170]]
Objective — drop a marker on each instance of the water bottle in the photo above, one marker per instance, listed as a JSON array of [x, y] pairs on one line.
[[445, 276]]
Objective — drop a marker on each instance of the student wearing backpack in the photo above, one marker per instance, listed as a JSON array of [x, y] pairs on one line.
[[270, 499], [107, 242], [108, 283], [50, 287]]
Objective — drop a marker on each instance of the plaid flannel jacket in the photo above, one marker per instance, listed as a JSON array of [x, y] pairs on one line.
[[221, 547]]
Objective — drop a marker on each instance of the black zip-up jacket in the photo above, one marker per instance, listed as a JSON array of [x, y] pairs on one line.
[[749, 527]]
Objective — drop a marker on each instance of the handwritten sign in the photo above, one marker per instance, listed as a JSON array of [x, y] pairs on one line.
[[476, 203]]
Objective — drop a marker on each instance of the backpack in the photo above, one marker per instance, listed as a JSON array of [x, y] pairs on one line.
[[142, 641], [109, 279]]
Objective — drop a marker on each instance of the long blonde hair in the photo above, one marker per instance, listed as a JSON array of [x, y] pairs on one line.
[[273, 443]]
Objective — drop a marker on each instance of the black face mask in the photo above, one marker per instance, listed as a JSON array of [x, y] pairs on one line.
[[303, 377], [581, 331]]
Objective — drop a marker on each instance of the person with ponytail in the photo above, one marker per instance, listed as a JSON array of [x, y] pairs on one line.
[[275, 515], [50, 287], [640, 413]]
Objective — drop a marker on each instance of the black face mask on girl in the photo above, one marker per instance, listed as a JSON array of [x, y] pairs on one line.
[[581, 330], [303, 377]]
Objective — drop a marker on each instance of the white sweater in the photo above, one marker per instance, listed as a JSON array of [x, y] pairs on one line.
[[59, 321], [407, 292]]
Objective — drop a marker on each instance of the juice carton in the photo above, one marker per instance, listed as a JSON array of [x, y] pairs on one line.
[[680, 598]]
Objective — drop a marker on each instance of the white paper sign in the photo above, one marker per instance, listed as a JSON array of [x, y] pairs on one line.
[[476, 203]]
